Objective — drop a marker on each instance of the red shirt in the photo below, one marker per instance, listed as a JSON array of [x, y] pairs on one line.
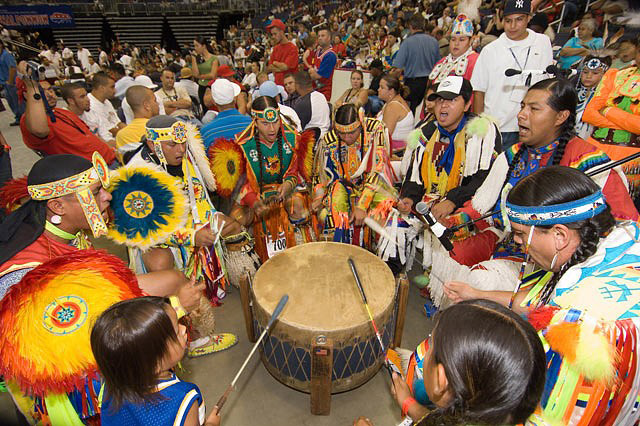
[[41, 250], [287, 53], [68, 135], [340, 49]]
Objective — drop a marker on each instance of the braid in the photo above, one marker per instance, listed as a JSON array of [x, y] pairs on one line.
[[259, 149], [280, 142], [590, 233], [567, 133]]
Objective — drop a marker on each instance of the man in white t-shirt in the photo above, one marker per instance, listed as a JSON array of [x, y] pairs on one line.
[[83, 57], [519, 49], [94, 68], [176, 100], [102, 118]]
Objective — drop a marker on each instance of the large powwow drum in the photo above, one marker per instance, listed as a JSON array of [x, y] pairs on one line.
[[324, 300]]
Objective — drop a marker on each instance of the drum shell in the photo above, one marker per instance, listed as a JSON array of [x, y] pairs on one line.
[[338, 310], [357, 356]]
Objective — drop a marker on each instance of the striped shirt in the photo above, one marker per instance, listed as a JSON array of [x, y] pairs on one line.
[[227, 124]]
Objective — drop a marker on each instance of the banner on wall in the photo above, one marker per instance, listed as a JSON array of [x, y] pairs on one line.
[[37, 16]]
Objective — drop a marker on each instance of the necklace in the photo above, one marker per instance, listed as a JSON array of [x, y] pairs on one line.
[[58, 232]]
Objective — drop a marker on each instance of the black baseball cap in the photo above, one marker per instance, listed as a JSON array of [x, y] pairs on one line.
[[512, 7]]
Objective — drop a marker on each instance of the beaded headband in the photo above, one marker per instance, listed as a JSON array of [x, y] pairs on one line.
[[347, 128], [572, 211], [79, 185], [72, 184], [595, 64], [269, 114], [176, 133]]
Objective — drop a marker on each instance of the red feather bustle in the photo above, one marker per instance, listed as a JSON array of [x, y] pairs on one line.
[[541, 317], [12, 193]]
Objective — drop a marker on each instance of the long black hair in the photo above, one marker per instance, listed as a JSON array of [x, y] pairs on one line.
[[23, 226], [129, 341], [494, 362], [562, 97], [203, 41], [556, 185]]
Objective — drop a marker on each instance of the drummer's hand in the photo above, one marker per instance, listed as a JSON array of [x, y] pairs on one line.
[[285, 190], [204, 237], [442, 209], [362, 421], [399, 388], [404, 205], [458, 291], [260, 208], [357, 218], [189, 294], [214, 418]]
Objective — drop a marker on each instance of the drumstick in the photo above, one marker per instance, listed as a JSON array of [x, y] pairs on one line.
[[366, 305], [274, 316]]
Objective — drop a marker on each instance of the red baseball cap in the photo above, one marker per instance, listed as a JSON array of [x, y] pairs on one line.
[[276, 23], [225, 71]]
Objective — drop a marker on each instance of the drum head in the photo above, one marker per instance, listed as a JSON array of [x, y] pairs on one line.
[[323, 294]]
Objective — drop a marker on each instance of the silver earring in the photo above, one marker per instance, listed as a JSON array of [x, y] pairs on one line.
[[553, 261], [56, 219]]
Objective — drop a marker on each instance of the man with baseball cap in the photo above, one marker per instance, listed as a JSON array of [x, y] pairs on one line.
[[229, 121], [284, 56], [452, 157], [520, 49]]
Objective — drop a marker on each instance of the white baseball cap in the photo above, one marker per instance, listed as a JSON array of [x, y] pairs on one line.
[[224, 91], [143, 80]]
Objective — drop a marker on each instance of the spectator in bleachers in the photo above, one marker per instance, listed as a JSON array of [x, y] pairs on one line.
[[205, 71], [68, 134], [229, 121], [284, 56], [323, 64], [8, 82], [186, 82], [66, 52], [312, 107], [176, 101], [93, 67], [396, 114], [625, 55], [517, 48], [103, 58], [290, 88], [102, 118], [123, 81], [580, 46], [144, 105], [591, 73], [356, 94], [83, 57], [416, 57]]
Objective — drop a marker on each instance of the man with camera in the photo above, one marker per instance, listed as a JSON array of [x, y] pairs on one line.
[[51, 130]]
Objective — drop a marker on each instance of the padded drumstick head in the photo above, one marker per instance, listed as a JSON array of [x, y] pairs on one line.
[[278, 310]]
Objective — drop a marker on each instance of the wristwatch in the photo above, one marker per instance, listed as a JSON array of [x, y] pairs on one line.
[[37, 96]]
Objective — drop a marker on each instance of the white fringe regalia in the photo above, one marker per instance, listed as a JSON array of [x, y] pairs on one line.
[[404, 241]]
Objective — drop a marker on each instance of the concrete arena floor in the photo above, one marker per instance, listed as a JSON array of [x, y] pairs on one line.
[[259, 399]]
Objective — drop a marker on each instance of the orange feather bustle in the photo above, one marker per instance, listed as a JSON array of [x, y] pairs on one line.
[[563, 338], [227, 162], [12, 193], [541, 317], [304, 147], [40, 361]]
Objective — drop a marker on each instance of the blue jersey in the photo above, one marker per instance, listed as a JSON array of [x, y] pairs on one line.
[[176, 399]]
